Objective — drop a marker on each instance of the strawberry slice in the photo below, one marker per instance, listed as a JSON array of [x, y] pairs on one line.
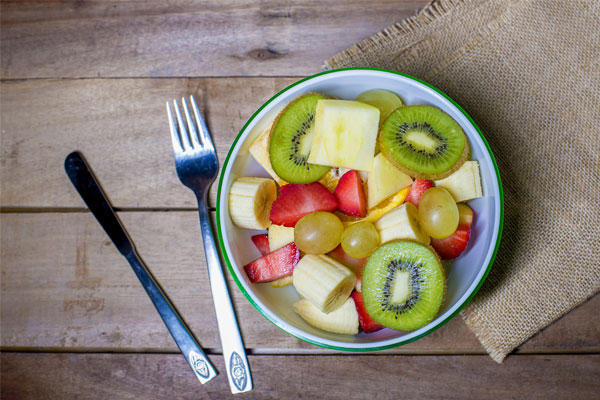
[[367, 323], [417, 189], [451, 247], [296, 200], [262, 243], [357, 265], [275, 265], [351, 194]]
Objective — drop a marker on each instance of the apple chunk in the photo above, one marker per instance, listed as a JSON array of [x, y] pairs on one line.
[[345, 134], [384, 180]]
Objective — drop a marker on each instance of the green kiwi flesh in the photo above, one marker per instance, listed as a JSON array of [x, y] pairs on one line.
[[417, 271], [291, 138], [423, 141]]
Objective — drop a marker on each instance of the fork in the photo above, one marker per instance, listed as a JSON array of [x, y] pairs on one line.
[[197, 167]]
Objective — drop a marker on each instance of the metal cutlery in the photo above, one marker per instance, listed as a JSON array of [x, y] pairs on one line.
[[94, 197], [197, 167]]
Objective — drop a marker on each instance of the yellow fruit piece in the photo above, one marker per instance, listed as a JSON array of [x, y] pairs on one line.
[[332, 177], [377, 212], [260, 151], [345, 134], [250, 200], [342, 320], [402, 223], [384, 180], [464, 184], [279, 236], [285, 281]]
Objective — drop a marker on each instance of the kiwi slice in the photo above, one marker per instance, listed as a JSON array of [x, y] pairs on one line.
[[403, 285], [291, 138], [423, 141]]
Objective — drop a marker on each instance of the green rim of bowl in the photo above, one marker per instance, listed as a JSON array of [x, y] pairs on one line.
[[353, 349]]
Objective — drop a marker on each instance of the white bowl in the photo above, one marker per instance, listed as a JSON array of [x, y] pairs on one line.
[[466, 273]]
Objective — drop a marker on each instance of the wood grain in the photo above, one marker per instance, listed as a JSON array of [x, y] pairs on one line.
[[121, 127], [64, 286], [58, 39], [158, 376]]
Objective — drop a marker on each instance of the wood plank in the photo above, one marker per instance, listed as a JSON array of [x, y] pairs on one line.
[[157, 376], [92, 301], [57, 39], [121, 127]]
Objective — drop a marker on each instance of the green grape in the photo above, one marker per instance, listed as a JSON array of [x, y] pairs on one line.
[[384, 100], [438, 213], [318, 233], [360, 239]]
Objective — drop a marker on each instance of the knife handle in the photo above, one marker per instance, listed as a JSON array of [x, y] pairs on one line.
[[92, 194]]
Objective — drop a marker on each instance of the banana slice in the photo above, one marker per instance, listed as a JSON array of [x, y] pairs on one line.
[[285, 281], [343, 320], [324, 281], [401, 223], [250, 201]]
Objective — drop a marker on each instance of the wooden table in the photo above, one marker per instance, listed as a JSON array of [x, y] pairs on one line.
[[75, 323]]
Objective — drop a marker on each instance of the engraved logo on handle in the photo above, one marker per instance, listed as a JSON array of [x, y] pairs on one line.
[[237, 370], [199, 364]]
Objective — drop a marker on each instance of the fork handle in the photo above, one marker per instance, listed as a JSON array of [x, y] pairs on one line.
[[236, 362]]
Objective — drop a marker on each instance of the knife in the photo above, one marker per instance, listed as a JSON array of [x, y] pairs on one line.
[[92, 194]]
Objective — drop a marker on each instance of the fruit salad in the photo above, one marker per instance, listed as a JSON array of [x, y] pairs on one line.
[[365, 199]]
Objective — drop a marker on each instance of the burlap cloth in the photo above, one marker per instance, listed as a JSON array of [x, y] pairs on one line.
[[528, 72]]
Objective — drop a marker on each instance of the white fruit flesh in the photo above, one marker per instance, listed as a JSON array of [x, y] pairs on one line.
[[343, 320], [345, 134], [400, 288], [260, 151], [324, 281], [384, 180], [465, 183], [279, 236], [250, 201], [401, 223]]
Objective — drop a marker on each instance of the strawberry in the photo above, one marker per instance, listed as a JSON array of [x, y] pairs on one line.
[[351, 195], [367, 323], [296, 200], [451, 247], [275, 265], [262, 243], [417, 189], [357, 265]]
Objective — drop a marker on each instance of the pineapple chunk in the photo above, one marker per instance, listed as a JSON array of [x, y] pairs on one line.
[[345, 134], [465, 183], [384, 180], [260, 151], [279, 236]]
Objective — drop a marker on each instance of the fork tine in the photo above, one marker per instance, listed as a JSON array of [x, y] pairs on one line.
[[203, 130], [174, 135], [191, 125], [182, 129]]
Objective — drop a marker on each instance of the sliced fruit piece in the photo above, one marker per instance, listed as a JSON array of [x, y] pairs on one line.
[[250, 201], [291, 139], [275, 265], [367, 323], [296, 200], [351, 195], [401, 223], [260, 151], [345, 134], [451, 247], [279, 236], [342, 320], [417, 189], [423, 141], [438, 213], [360, 240], [384, 100], [288, 280], [465, 183], [323, 281], [385, 180], [403, 285], [262, 243], [318, 232], [332, 177], [355, 264]]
